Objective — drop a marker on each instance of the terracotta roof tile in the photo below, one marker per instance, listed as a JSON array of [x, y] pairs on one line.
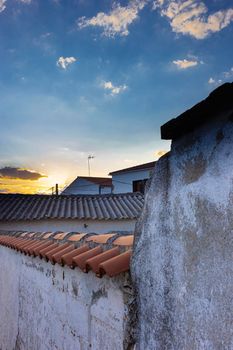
[[60, 235], [42, 252], [56, 258], [49, 254], [47, 235], [76, 237], [36, 251], [67, 259], [100, 238], [124, 241], [103, 254], [94, 263], [116, 265], [80, 260]]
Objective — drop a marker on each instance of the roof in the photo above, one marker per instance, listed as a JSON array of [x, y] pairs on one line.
[[218, 102], [103, 181], [105, 254], [74, 187], [94, 207], [135, 168]]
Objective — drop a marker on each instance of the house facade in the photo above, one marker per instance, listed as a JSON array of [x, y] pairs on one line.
[[132, 179], [89, 185]]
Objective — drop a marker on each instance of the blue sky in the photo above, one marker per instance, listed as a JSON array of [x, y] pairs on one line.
[[84, 77]]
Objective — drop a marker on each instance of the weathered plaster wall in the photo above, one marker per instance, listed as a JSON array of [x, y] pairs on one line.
[[183, 256], [66, 225], [49, 307]]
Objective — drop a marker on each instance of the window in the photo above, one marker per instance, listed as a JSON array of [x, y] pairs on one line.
[[139, 185]]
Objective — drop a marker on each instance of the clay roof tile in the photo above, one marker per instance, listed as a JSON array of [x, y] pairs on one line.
[[110, 254]]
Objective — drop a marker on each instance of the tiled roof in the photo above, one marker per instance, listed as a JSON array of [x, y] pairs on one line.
[[135, 168], [105, 254], [217, 104], [95, 207]]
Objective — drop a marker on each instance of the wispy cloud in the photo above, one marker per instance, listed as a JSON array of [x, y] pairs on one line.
[[25, 1], [113, 89], [64, 62], [117, 21], [191, 17], [2, 5], [221, 78], [18, 173], [184, 64]]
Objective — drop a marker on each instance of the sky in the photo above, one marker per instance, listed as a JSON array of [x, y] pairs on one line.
[[89, 77]]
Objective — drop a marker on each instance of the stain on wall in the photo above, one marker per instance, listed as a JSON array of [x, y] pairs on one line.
[[49, 307]]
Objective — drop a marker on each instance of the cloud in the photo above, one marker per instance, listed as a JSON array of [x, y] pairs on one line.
[[184, 64], [211, 81], [114, 90], [222, 77], [2, 5], [64, 62], [3, 2], [191, 17], [18, 173], [117, 21]]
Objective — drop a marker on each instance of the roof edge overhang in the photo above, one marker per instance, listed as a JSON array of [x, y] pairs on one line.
[[215, 105]]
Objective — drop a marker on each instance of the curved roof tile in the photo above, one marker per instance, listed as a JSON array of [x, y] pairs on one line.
[[98, 207], [103, 254]]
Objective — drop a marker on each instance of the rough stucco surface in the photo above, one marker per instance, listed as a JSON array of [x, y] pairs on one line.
[[48, 307], [183, 255]]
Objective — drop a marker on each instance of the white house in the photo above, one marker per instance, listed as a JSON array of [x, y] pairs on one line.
[[132, 179], [89, 185]]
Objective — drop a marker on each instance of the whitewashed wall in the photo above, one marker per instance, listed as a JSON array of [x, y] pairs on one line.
[[49, 307], [123, 183], [82, 186], [185, 283], [66, 225]]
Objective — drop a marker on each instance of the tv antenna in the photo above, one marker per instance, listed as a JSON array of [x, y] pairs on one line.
[[89, 165]]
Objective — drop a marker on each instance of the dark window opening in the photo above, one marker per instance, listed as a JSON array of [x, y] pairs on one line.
[[139, 185]]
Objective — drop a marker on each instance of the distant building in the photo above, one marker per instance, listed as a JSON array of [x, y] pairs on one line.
[[89, 185], [132, 179]]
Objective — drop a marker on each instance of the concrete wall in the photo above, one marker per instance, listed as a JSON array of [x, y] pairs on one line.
[[123, 183], [49, 307], [183, 256], [82, 186], [66, 225]]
